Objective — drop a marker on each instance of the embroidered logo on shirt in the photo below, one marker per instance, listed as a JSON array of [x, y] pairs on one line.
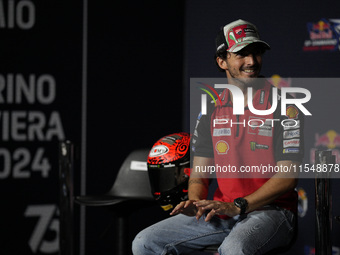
[[292, 112], [255, 145], [262, 97], [222, 147], [291, 143], [222, 132], [260, 126]]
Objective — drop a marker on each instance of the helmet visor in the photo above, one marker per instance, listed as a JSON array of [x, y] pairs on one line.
[[164, 179]]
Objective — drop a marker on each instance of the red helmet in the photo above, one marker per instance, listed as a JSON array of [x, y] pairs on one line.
[[169, 169]]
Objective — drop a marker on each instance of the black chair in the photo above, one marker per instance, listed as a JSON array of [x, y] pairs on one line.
[[130, 192]]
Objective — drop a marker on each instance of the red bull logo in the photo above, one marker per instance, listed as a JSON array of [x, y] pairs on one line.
[[280, 82], [329, 140], [321, 25], [320, 30], [323, 35]]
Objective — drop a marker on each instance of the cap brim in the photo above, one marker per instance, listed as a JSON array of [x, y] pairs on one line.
[[239, 46]]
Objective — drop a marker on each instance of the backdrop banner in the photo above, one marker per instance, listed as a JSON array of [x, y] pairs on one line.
[[41, 104]]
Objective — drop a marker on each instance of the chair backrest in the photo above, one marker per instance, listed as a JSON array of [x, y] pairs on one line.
[[132, 180], [66, 215]]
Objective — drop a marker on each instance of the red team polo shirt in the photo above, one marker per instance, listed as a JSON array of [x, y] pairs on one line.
[[246, 147]]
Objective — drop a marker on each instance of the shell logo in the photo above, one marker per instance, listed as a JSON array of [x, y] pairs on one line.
[[292, 112], [222, 147]]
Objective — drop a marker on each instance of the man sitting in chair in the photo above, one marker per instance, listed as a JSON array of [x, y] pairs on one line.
[[249, 214]]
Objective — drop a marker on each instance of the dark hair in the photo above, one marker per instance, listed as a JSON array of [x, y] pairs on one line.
[[221, 53]]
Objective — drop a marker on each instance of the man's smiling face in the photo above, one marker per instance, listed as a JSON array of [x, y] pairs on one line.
[[243, 64]]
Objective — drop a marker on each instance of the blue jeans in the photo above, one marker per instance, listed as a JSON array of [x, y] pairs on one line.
[[254, 233]]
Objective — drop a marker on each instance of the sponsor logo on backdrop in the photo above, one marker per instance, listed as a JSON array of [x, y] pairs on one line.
[[45, 234], [280, 82], [323, 35], [17, 14], [328, 140], [310, 250], [302, 202]]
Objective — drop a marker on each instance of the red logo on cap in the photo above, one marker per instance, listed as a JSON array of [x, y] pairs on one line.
[[239, 31], [234, 34]]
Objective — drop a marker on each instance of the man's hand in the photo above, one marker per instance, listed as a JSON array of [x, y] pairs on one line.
[[186, 207], [199, 207], [216, 208]]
